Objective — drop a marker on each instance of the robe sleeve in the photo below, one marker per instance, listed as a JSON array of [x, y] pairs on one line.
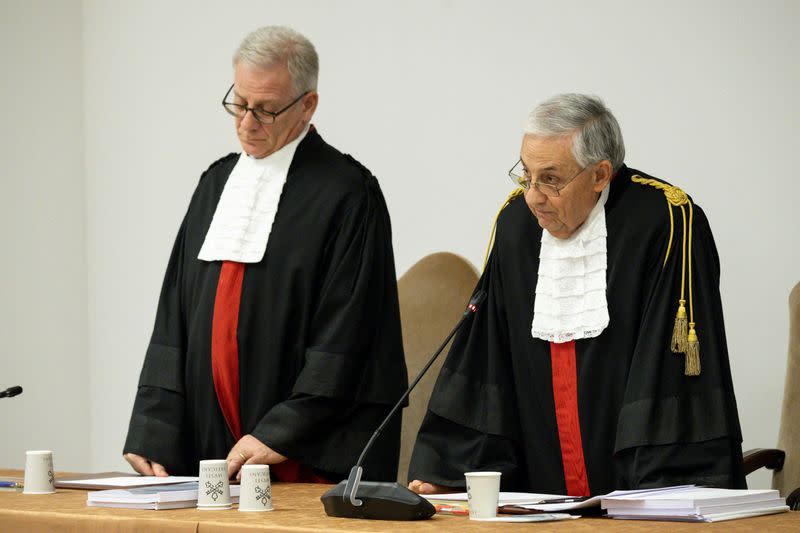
[[470, 421], [159, 410], [672, 428], [354, 368]]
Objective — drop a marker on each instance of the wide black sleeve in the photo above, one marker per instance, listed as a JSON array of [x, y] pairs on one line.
[[672, 428], [354, 367], [470, 423], [156, 429]]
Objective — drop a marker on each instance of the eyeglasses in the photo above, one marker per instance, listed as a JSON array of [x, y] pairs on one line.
[[261, 115], [521, 177]]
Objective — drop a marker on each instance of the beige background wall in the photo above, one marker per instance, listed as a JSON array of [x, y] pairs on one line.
[[431, 95], [43, 290]]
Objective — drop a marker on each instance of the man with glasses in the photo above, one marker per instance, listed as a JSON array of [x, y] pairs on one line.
[[598, 361], [277, 335]]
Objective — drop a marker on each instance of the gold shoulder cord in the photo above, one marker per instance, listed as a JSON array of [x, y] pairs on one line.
[[514, 194], [682, 342]]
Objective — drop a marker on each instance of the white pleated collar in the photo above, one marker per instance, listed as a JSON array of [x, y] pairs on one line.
[[570, 302], [246, 209]]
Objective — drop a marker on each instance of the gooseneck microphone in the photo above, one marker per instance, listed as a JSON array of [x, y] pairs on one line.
[[383, 500], [11, 391]]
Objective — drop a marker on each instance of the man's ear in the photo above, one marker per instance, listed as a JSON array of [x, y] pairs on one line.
[[603, 172], [310, 105]]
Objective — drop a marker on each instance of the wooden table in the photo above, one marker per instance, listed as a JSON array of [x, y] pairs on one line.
[[298, 509]]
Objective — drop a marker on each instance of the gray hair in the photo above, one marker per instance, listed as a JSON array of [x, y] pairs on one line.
[[271, 45], [596, 132]]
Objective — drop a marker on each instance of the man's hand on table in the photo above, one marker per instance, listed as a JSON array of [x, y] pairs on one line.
[[251, 451], [423, 487], [145, 466]]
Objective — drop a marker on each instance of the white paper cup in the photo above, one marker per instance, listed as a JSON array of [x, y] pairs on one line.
[[39, 477], [213, 489], [483, 491], [256, 489]]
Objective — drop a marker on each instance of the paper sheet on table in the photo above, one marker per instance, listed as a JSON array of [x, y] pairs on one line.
[[506, 498], [544, 517], [122, 482]]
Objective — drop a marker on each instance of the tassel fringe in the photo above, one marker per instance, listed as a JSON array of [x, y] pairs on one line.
[[679, 343], [692, 353]]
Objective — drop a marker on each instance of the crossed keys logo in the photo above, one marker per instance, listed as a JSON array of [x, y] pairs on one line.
[[214, 489], [263, 495], [50, 476]]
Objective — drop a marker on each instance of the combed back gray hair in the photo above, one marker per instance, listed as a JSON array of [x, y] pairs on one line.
[[597, 134], [272, 45]]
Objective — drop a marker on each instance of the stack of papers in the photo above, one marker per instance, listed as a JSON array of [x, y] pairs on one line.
[[121, 481], [693, 504], [533, 501], [154, 497]]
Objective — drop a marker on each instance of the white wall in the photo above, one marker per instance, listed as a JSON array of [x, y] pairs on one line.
[[431, 95], [43, 326]]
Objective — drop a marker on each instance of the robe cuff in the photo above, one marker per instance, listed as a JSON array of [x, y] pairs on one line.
[[478, 406], [156, 428], [343, 377], [163, 368], [677, 419]]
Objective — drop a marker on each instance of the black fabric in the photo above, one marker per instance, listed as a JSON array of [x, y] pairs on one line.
[[643, 422], [320, 348]]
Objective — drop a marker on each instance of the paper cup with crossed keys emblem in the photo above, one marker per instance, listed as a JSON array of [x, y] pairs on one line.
[[39, 477], [256, 494], [213, 490]]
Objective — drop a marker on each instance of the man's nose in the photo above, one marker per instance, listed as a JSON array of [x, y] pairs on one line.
[[534, 196], [248, 121]]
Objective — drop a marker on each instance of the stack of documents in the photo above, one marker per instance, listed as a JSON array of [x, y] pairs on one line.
[[693, 504], [154, 497]]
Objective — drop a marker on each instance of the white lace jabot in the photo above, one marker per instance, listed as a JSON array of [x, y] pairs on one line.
[[246, 209], [570, 299]]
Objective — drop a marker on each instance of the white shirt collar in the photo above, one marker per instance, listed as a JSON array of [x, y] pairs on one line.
[[246, 209]]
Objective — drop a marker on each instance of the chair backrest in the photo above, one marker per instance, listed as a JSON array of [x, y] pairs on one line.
[[788, 479], [433, 294]]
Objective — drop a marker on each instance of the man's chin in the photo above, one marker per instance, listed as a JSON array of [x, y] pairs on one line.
[[256, 150]]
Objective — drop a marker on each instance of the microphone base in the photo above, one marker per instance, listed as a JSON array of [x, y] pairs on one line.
[[381, 501]]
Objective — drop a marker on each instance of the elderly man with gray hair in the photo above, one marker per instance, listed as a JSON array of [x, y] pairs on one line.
[[599, 360], [277, 334]]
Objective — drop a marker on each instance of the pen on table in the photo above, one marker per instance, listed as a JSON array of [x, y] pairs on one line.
[[560, 500], [10, 484]]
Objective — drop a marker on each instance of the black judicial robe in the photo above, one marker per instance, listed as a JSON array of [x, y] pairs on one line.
[[320, 346], [643, 422]]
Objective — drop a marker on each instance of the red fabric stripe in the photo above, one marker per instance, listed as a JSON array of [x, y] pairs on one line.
[[225, 366], [294, 472], [565, 395], [224, 347]]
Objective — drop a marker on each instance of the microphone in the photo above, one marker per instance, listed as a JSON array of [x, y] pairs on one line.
[[11, 391], [382, 500]]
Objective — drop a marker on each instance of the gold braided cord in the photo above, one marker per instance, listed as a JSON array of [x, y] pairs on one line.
[[683, 259], [516, 192], [691, 306], [682, 341], [675, 197], [671, 233]]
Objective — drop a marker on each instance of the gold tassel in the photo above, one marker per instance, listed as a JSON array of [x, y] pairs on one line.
[[679, 342], [692, 353]]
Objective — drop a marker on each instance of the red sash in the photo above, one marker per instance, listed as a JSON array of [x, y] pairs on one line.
[[565, 395]]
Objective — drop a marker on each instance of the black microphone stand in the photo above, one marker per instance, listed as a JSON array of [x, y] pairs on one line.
[[381, 500]]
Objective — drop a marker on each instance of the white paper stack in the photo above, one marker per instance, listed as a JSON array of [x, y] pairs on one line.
[[156, 497], [694, 504]]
